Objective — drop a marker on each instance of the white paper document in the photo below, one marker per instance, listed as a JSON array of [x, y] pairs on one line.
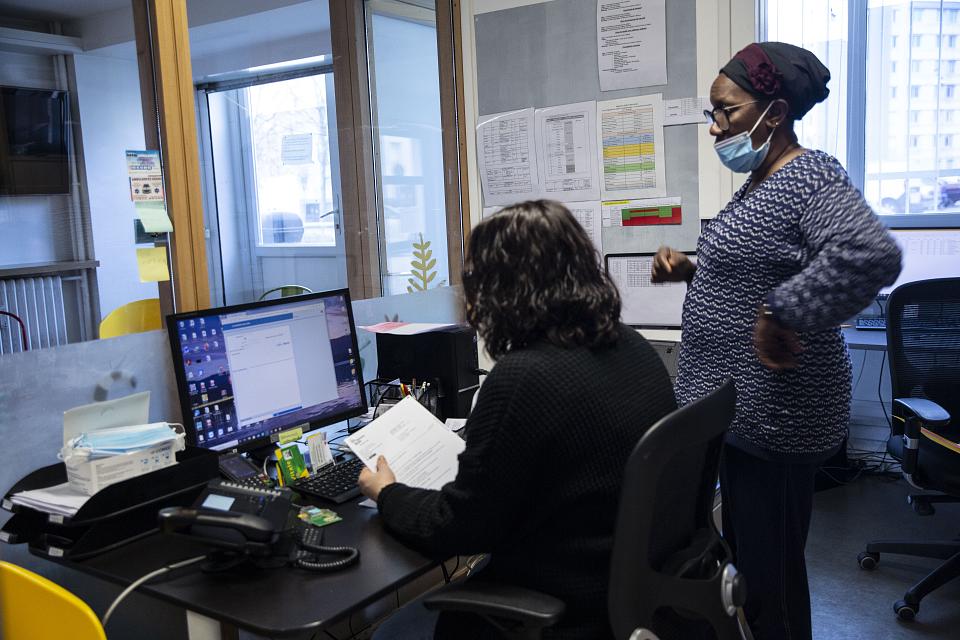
[[588, 215], [686, 111], [407, 328], [488, 211], [61, 499], [122, 412], [630, 143], [418, 447], [566, 151], [507, 158], [631, 43]]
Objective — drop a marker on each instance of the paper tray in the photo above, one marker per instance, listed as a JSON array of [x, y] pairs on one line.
[[194, 468]]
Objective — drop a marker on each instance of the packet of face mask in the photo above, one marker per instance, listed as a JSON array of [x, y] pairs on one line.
[[103, 457]]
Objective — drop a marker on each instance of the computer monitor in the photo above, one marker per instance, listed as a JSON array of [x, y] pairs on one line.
[[248, 372], [927, 254], [644, 304]]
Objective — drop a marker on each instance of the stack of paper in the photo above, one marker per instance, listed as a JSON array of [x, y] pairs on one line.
[[60, 499]]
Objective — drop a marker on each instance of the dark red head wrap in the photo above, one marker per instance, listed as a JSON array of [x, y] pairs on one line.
[[780, 70]]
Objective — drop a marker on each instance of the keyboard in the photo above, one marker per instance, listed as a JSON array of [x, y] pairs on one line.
[[335, 483], [872, 323]]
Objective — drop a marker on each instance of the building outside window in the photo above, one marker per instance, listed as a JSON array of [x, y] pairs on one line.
[[912, 168]]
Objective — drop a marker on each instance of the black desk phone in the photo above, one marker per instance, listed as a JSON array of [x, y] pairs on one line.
[[255, 523]]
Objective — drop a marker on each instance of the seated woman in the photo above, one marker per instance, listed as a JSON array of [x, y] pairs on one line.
[[570, 395]]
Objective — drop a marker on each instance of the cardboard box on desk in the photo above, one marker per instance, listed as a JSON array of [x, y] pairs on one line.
[[93, 475]]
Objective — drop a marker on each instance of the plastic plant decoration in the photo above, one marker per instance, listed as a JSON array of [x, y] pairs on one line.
[[423, 263]]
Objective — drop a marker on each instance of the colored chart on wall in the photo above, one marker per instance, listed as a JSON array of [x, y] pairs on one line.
[[642, 213], [630, 140]]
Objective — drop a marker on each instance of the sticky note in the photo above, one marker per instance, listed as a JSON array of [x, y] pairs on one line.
[[153, 215], [152, 264]]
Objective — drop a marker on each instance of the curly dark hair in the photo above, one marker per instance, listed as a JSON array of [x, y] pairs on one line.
[[532, 274]]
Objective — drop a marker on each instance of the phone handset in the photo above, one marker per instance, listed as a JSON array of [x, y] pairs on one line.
[[251, 527]]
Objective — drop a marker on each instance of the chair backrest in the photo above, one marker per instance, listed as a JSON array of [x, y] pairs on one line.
[[134, 317], [923, 342], [34, 608], [286, 291], [666, 509]]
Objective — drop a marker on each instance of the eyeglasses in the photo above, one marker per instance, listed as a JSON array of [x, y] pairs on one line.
[[721, 115]]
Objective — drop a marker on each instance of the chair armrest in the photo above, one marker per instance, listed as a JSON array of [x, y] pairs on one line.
[[524, 606], [929, 412]]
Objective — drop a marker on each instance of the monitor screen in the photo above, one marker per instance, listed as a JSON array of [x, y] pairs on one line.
[[33, 141], [927, 254], [644, 304], [248, 372]]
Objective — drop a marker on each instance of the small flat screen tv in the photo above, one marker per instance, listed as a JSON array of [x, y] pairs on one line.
[[33, 142]]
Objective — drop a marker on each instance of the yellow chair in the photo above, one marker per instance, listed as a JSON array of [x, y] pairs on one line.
[[33, 608], [133, 317]]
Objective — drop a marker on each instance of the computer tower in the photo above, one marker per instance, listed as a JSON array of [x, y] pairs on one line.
[[445, 358]]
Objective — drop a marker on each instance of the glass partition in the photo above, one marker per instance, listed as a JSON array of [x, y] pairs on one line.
[[71, 107]]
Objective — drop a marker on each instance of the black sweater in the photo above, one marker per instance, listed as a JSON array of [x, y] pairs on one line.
[[539, 480]]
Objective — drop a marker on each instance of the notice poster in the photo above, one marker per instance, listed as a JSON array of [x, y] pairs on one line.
[[566, 152], [631, 43], [630, 135]]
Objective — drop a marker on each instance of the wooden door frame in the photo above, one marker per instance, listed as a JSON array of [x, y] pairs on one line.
[[167, 94]]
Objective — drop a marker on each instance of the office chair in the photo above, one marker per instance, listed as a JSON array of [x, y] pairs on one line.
[[134, 317], [670, 571], [34, 608], [923, 340]]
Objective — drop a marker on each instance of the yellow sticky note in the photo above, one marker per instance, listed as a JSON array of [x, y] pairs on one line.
[[152, 263], [153, 215]]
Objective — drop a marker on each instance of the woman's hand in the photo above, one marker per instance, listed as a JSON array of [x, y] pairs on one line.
[[777, 346], [670, 265], [372, 482]]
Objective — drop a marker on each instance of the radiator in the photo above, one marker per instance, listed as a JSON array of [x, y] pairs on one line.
[[39, 303]]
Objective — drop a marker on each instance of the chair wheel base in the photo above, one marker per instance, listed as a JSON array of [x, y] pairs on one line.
[[868, 560], [905, 611]]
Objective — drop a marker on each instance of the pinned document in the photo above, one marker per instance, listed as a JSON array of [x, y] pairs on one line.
[[152, 264], [153, 216]]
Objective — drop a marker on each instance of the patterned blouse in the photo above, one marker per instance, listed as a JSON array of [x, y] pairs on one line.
[[805, 242]]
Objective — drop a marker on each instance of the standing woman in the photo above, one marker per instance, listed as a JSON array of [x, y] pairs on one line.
[[796, 251]]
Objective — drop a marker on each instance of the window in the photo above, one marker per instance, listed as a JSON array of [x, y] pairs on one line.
[[902, 150]]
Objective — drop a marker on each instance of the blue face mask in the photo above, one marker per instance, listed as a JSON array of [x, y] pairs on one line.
[[737, 152], [120, 440]]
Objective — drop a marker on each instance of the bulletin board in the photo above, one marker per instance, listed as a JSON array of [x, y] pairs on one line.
[[545, 55]]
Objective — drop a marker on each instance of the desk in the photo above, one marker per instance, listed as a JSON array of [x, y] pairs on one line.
[[270, 602], [866, 340]]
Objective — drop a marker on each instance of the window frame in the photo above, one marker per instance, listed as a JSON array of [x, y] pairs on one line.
[[856, 75], [248, 194]]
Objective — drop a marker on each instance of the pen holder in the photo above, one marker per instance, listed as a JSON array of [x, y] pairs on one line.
[[383, 393]]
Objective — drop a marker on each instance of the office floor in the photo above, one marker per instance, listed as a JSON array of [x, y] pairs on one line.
[[851, 604]]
